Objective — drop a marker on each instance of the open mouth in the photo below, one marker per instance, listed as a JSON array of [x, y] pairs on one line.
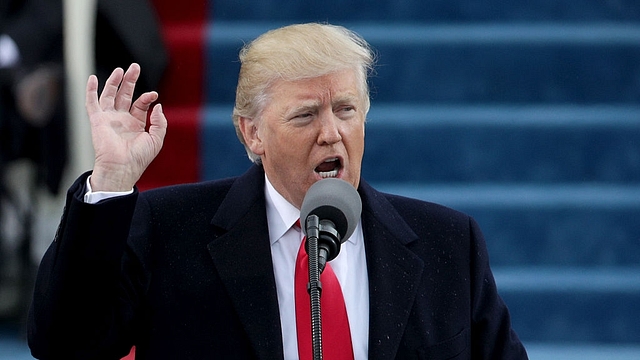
[[329, 168]]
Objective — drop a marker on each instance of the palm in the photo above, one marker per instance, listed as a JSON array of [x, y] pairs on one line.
[[122, 147]]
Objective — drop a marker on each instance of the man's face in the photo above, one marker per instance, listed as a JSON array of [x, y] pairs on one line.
[[310, 129]]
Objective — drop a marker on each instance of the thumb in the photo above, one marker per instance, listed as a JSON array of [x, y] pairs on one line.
[[157, 127]]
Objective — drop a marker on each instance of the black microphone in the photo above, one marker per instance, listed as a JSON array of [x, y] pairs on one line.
[[338, 206]]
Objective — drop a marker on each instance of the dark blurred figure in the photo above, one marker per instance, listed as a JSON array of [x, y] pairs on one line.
[[33, 122], [32, 128], [32, 115]]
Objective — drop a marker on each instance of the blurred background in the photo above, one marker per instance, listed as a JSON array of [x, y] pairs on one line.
[[525, 115]]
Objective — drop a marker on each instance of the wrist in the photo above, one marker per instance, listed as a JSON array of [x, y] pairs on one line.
[[93, 197], [110, 181]]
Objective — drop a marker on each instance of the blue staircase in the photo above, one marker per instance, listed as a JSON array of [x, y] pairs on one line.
[[524, 115]]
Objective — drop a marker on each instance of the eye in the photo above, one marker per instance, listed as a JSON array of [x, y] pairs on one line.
[[346, 111], [302, 118]]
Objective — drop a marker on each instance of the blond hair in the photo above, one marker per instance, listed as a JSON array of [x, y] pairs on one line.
[[297, 52]]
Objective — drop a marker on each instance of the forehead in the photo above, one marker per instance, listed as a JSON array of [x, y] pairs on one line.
[[337, 85]]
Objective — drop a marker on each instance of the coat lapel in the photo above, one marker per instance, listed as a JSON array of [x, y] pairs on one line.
[[242, 255], [394, 272]]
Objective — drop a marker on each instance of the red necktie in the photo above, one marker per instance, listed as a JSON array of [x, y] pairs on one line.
[[336, 336]]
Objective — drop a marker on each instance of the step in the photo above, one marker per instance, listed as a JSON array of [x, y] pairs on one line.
[[582, 351], [183, 26], [476, 63], [184, 80], [553, 225], [182, 12], [503, 144], [180, 158], [222, 154], [573, 305], [461, 144], [426, 11]]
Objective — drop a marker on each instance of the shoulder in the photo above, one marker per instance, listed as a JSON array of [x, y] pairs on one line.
[[428, 218], [189, 191], [415, 212], [414, 205], [201, 197]]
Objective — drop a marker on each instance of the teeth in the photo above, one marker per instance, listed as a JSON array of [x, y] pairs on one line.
[[328, 174]]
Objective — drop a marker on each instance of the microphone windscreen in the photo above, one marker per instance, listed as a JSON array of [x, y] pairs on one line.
[[335, 200]]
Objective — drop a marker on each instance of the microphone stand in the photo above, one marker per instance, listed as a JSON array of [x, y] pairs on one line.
[[315, 286]]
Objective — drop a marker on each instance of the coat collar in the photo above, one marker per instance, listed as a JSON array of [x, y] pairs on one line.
[[394, 272], [242, 255]]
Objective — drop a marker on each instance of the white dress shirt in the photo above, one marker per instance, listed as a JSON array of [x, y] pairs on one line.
[[350, 267]]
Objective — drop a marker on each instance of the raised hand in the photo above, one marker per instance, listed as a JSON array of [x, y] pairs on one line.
[[123, 148]]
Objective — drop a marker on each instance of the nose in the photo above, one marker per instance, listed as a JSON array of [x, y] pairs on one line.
[[329, 132]]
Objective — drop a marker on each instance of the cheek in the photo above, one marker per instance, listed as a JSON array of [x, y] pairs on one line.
[[354, 135], [289, 148]]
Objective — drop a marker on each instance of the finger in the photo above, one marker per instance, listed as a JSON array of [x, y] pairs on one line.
[[125, 92], [91, 96], [107, 98], [158, 127], [142, 104]]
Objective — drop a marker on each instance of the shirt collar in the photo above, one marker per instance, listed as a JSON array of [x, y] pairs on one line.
[[281, 214]]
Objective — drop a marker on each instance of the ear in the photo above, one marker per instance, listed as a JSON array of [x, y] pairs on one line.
[[249, 130]]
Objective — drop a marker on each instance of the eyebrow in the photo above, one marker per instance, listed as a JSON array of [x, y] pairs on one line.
[[312, 103], [347, 98], [307, 105]]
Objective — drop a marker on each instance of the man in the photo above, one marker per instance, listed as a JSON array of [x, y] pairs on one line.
[[207, 270]]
